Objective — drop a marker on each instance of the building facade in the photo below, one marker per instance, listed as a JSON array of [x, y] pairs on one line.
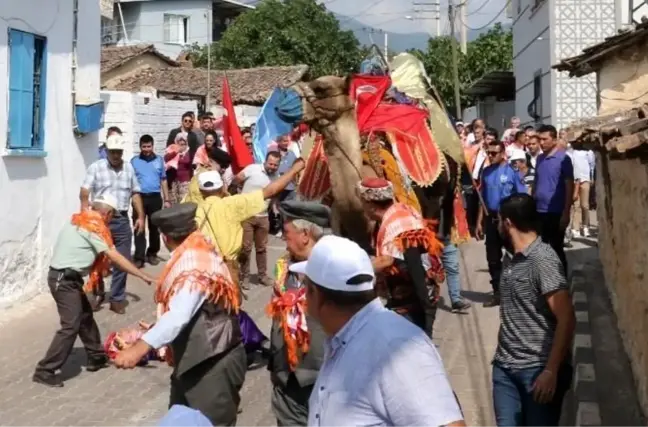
[[42, 160], [170, 25], [544, 31]]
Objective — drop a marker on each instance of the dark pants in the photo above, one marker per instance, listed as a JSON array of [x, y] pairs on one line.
[[213, 387], [471, 204], [494, 246], [554, 235], [513, 397], [152, 203], [76, 318], [290, 403]]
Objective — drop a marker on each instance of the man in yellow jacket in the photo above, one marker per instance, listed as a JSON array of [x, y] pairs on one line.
[[219, 161], [220, 218]]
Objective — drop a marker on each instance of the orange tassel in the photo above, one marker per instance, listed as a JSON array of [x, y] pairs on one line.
[[93, 222]]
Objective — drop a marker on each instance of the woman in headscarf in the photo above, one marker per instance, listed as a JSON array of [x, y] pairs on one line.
[[179, 164]]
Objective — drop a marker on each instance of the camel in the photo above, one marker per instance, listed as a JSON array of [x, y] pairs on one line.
[[328, 109]]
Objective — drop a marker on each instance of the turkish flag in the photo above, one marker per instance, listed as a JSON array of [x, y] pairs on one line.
[[236, 147], [367, 92]]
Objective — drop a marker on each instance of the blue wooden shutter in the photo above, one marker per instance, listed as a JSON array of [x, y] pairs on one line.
[[21, 89]]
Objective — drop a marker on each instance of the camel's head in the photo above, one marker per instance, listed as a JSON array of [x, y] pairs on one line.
[[324, 100]]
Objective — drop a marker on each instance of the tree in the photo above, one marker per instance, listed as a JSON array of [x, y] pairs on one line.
[[491, 51], [288, 32]]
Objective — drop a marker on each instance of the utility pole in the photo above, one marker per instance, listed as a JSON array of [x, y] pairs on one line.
[[455, 61], [386, 52], [209, 43], [463, 29], [435, 9]]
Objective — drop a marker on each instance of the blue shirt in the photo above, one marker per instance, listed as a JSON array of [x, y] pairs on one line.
[[103, 152], [499, 182], [381, 369], [551, 173], [150, 173], [287, 161]]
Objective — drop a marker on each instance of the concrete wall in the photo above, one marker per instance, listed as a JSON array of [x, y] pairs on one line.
[[623, 81], [622, 198], [110, 79], [39, 194], [497, 114], [139, 114]]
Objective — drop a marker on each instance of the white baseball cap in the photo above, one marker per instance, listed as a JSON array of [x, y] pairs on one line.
[[107, 199], [115, 142], [517, 155], [335, 260], [210, 181]]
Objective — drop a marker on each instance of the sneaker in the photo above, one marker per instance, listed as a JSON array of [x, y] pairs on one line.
[[460, 305], [575, 233], [96, 363], [585, 232], [153, 259], [49, 379], [494, 302]]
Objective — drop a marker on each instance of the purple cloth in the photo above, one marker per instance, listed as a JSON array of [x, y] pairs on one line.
[[252, 335], [551, 173]]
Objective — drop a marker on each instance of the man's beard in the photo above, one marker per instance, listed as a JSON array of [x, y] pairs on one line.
[[506, 240]]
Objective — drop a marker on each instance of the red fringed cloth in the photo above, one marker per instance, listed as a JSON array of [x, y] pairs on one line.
[[288, 307], [125, 338], [201, 269], [315, 181], [93, 222]]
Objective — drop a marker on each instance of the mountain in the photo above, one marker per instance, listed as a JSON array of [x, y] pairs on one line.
[[397, 42]]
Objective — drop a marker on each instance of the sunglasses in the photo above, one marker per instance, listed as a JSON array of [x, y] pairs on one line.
[[493, 153], [187, 120]]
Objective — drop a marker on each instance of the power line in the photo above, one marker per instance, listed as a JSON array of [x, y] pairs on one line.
[[489, 22], [474, 12], [348, 18]]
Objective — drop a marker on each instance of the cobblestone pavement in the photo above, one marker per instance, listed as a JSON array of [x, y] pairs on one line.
[[139, 397]]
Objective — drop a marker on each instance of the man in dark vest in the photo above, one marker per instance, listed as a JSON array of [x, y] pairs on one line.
[[198, 302], [296, 340]]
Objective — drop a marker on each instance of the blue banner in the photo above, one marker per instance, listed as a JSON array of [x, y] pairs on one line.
[[268, 127]]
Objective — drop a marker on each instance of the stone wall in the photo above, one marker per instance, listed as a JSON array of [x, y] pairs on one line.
[[622, 199]]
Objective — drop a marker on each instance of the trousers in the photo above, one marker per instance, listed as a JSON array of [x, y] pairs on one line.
[[152, 203], [290, 403]]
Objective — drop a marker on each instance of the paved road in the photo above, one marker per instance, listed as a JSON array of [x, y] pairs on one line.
[[139, 397]]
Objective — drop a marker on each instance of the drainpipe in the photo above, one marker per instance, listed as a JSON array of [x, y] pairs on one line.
[[75, 33], [121, 19]]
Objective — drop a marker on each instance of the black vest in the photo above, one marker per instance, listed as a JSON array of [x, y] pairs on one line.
[[211, 332], [309, 363]]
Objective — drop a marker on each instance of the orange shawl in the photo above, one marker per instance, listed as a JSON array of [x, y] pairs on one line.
[[93, 222], [288, 307], [402, 228]]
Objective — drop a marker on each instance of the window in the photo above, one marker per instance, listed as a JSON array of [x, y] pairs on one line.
[[176, 29], [27, 64]]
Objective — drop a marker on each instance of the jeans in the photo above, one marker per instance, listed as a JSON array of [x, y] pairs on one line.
[[122, 235], [513, 397], [450, 260], [152, 203]]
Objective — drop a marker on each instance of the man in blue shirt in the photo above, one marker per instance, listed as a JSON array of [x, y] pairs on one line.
[[498, 181], [103, 151], [151, 174]]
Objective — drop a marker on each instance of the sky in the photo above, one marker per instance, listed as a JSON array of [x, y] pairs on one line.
[[390, 15]]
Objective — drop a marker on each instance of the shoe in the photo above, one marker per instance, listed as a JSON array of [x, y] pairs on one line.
[[266, 281], [139, 263], [119, 307], [245, 284], [96, 363], [153, 259], [575, 233], [494, 302], [49, 379], [96, 302], [460, 305], [585, 232]]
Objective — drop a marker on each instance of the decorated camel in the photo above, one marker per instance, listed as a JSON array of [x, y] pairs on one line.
[[370, 128]]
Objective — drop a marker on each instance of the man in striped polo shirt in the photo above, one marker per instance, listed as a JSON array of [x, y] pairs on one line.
[[531, 369]]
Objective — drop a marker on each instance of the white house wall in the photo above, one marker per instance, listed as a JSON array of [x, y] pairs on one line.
[[532, 55], [579, 24], [39, 194]]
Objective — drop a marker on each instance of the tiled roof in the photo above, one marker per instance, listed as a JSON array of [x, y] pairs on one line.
[[248, 86], [591, 58], [114, 56]]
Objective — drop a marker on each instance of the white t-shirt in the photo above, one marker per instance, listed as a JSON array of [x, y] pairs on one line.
[[256, 178]]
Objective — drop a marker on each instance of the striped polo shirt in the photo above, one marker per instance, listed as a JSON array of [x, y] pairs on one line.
[[527, 325]]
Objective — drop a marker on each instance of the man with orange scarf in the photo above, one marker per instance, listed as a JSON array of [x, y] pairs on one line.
[[407, 253], [84, 246], [296, 339], [198, 302]]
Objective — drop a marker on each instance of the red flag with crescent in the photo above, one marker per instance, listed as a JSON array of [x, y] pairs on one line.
[[236, 147]]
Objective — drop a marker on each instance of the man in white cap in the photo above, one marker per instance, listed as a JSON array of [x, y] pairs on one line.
[[520, 162], [379, 369], [117, 177], [220, 218], [84, 246]]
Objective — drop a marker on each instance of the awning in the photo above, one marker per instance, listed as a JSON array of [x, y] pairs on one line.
[[500, 84]]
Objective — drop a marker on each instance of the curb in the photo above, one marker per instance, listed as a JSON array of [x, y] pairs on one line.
[[586, 407]]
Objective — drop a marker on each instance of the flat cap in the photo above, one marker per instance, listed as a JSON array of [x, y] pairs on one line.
[[178, 218], [316, 213]]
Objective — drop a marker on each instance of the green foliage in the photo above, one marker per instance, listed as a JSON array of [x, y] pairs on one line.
[[491, 51], [288, 32]]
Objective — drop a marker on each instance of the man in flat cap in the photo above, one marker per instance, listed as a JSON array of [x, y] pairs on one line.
[[379, 369], [296, 340], [407, 253], [197, 298], [220, 217]]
